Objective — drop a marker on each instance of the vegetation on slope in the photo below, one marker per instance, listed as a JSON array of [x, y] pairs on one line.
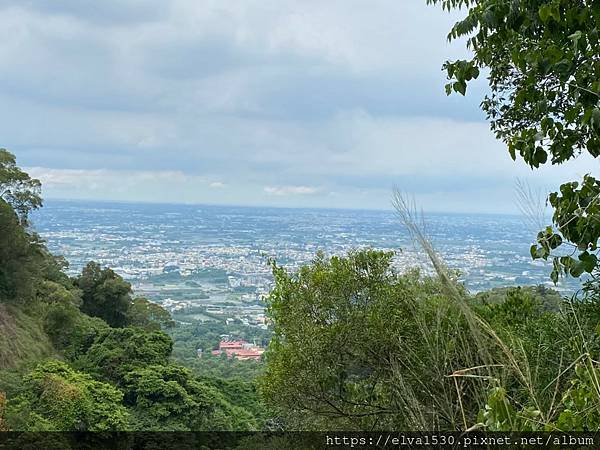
[[359, 346], [82, 354], [22, 338]]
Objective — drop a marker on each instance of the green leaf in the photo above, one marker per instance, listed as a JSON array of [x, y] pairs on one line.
[[544, 13], [567, 262], [593, 146], [555, 11], [555, 241], [577, 270], [595, 120], [588, 261], [533, 251], [542, 253], [460, 87], [473, 73], [540, 156]]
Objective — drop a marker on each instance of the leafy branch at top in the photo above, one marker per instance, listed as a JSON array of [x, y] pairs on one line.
[[542, 60]]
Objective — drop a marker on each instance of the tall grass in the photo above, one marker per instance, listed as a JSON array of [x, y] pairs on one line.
[[492, 359]]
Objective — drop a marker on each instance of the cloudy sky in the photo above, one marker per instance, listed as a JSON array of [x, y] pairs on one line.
[[250, 102]]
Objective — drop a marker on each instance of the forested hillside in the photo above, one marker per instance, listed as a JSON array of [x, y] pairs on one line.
[[83, 354]]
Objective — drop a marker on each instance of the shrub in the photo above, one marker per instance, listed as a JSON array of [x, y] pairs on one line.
[[58, 398]]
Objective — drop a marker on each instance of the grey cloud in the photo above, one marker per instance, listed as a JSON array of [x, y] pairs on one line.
[[321, 95], [342, 99], [104, 12], [194, 60], [272, 69]]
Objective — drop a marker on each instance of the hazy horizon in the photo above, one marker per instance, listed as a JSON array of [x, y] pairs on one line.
[[391, 209]]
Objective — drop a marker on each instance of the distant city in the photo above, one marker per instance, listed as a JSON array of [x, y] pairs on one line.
[[204, 261]]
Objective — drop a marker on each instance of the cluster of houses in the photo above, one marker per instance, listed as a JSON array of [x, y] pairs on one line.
[[239, 349]]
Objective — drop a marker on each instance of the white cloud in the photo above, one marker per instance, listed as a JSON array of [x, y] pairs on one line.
[[291, 190], [145, 185], [101, 178]]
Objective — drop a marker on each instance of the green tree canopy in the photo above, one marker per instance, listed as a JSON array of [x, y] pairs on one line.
[[148, 315], [71, 331], [116, 351], [105, 294], [17, 188], [21, 257], [57, 398], [169, 398], [358, 346]]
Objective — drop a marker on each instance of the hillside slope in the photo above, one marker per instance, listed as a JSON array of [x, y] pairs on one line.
[[22, 338]]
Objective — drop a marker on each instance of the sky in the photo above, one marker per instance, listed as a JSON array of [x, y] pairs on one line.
[[304, 103]]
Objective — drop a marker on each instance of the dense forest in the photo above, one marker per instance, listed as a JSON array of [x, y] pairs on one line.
[[356, 344]]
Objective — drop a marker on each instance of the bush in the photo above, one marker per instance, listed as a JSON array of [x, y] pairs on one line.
[[170, 398], [116, 351], [359, 346], [70, 330], [57, 398]]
